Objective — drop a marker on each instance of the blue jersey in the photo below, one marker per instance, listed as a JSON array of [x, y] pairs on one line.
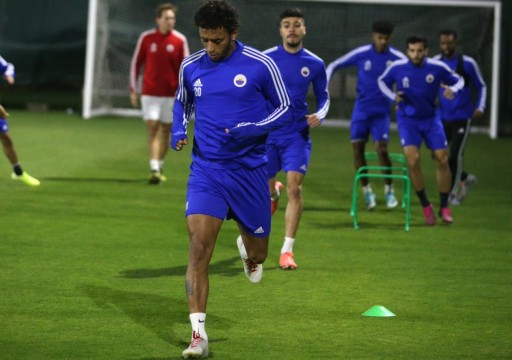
[[300, 70], [419, 84], [370, 64], [7, 69], [233, 94], [462, 107]]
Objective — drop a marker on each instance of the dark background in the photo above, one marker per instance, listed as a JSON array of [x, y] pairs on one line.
[[46, 42]]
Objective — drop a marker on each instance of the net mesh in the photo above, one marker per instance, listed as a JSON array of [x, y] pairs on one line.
[[333, 29]]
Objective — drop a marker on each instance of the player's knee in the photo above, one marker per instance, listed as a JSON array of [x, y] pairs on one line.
[[294, 191]]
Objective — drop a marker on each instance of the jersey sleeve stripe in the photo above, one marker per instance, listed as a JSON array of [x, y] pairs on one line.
[[340, 62], [181, 93], [274, 72], [481, 85]]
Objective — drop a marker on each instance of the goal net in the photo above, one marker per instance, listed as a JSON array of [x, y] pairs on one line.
[[334, 28]]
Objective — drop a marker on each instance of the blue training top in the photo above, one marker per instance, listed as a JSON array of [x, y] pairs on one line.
[[420, 86], [371, 64], [300, 70], [462, 107], [234, 93]]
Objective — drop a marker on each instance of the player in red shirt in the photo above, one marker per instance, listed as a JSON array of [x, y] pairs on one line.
[[160, 51]]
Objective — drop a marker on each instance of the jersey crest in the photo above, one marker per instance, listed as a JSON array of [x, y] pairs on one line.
[[305, 71], [367, 65], [240, 80], [429, 78]]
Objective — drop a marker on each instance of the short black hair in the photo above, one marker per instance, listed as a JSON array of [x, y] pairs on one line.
[[291, 12], [448, 32], [383, 27], [216, 14], [416, 39]]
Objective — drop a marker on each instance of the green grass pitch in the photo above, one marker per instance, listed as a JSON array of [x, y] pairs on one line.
[[92, 262]]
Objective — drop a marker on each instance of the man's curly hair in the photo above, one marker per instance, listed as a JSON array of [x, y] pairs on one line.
[[216, 14]]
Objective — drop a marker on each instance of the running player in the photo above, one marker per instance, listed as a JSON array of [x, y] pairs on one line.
[[418, 80], [457, 114], [371, 112], [239, 97], [160, 51], [289, 148], [7, 70]]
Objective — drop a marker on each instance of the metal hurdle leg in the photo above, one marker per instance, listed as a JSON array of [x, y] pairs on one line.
[[406, 190]]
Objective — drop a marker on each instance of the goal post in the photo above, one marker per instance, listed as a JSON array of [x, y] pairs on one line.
[[334, 28]]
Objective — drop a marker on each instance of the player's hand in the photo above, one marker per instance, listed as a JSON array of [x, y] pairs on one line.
[[134, 99], [399, 97], [3, 114], [180, 144], [478, 114], [9, 79], [448, 93], [313, 120]]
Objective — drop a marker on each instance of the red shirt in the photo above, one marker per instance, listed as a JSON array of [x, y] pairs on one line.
[[161, 55]]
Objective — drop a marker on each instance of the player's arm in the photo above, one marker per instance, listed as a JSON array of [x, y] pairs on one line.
[[477, 80], [349, 59], [321, 92], [182, 112], [385, 82], [7, 69], [138, 60], [453, 82], [278, 96]]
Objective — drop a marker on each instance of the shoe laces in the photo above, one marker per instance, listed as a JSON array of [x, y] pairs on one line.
[[253, 267], [196, 339]]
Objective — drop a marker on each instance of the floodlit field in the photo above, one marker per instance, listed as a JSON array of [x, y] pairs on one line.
[[92, 262]]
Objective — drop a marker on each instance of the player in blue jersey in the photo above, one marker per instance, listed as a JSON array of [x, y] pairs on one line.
[[418, 80], [239, 97], [457, 114], [289, 148], [7, 70], [371, 114]]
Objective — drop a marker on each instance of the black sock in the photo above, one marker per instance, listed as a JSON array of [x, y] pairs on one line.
[[423, 198], [444, 199], [17, 169]]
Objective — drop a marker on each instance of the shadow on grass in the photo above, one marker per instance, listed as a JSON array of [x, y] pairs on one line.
[[85, 179], [229, 267], [163, 316]]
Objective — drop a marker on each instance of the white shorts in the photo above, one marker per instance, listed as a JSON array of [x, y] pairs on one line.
[[157, 108]]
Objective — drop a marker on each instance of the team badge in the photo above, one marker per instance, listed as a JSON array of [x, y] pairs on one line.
[[153, 47], [304, 71], [388, 62], [169, 48], [429, 78], [240, 80], [367, 65], [405, 82]]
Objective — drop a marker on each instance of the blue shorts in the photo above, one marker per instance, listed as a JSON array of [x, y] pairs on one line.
[[239, 194], [414, 132], [3, 126], [363, 124], [290, 153]]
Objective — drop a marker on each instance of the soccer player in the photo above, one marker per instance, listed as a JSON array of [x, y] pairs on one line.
[[418, 80], [7, 70], [239, 97], [456, 114], [160, 51], [289, 148], [371, 112]]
